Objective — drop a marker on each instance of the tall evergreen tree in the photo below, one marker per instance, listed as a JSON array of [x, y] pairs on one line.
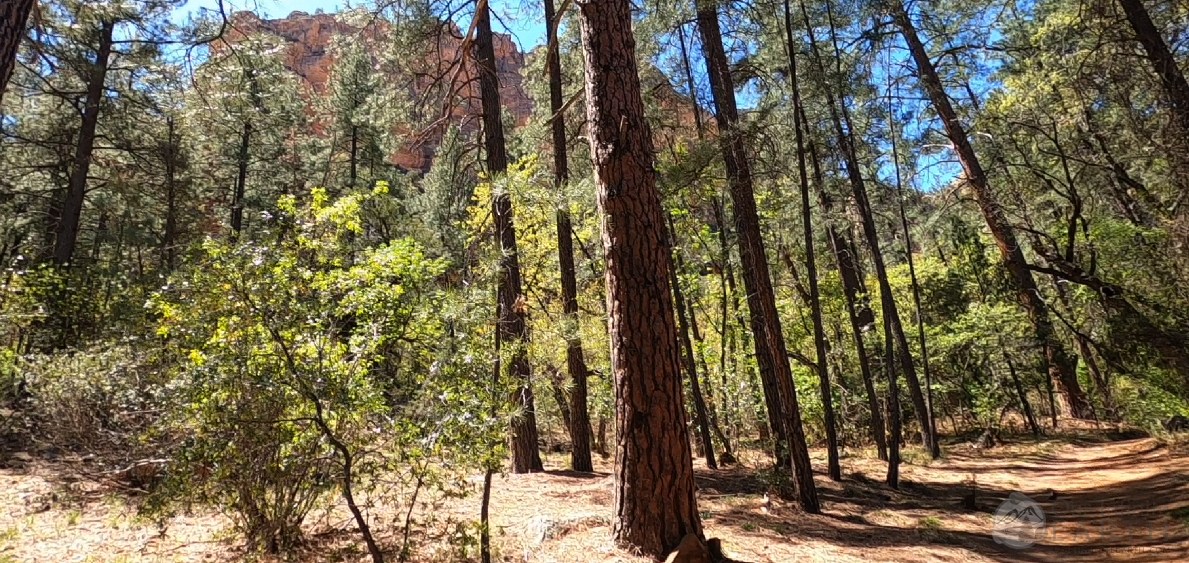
[[655, 506]]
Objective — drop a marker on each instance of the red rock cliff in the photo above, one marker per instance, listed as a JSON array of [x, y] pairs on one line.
[[309, 38]]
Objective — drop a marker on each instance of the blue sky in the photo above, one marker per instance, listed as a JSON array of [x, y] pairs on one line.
[[521, 18]]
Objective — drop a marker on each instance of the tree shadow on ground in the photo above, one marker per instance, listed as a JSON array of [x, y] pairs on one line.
[[1142, 519]]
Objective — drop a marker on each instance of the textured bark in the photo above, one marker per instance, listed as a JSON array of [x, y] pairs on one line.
[[13, 16], [771, 350], [579, 420], [655, 505], [815, 303], [66, 236], [512, 326], [1060, 361]]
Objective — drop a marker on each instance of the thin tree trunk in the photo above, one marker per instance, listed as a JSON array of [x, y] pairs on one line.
[[771, 350], [13, 16], [170, 236], [559, 396], [1015, 379], [72, 206], [655, 505], [929, 417], [354, 156], [844, 130], [894, 417], [689, 82], [526, 458], [727, 456], [1060, 361], [857, 310], [575, 363], [701, 418], [241, 179], [815, 304]]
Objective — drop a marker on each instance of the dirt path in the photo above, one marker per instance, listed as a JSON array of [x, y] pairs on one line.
[[1102, 501], [1112, 501]]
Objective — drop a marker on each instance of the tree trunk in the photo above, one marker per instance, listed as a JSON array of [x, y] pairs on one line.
[[655, 505], [13, 16], [170, 236], [1024, 404], [701, 418], [771, 350], [1164, 63], [929, 417], [72, 206], [354, 156], [857, 309], [894, 418], [844, 131], [559, 396], [815, 304], [511, 323], [1060, 361], [727, 456], [575, 363], [776, 428], [241, 179]]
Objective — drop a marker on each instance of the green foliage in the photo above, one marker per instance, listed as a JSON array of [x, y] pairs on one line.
[[305, 355]]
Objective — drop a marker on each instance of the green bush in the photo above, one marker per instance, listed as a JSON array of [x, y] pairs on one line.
[[308, 363]]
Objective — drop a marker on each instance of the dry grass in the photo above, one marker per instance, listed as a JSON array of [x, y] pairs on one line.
[[1105, 501]]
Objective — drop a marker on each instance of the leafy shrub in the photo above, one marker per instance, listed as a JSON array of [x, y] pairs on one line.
[[98, 400], [308, 363]]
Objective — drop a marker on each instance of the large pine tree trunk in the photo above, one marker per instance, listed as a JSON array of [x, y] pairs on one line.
[[13, 15], [1060, 361], [512, 326], [655, 505], [72, 206], [575, 363], [771, 350]]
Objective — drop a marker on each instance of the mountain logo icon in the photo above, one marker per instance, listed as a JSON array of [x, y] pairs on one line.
[[1019, 522]]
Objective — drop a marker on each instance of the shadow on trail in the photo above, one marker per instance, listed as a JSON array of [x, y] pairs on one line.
[[1144, 519]]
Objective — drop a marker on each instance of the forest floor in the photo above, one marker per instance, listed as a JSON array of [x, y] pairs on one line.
[[1103, 500]]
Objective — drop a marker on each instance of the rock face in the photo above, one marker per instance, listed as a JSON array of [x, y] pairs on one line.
[[308, 38]]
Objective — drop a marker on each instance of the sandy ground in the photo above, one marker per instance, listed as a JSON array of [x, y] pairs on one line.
[[1102, 501]]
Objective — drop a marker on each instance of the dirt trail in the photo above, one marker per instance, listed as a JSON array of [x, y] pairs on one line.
[[1102, 501]]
